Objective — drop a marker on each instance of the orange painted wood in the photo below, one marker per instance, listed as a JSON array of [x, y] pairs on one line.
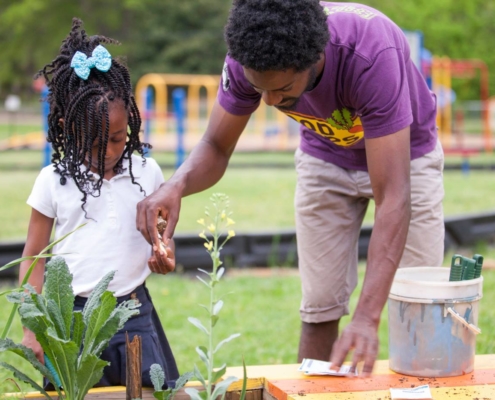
[[454, 393], [316, 384]]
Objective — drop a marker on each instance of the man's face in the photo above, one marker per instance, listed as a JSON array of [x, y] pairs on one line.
[[282, 89]]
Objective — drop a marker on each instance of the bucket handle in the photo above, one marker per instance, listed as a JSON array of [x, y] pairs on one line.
[[463, 321]]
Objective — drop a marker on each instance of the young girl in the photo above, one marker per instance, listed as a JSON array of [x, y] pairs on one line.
[[95, 178]]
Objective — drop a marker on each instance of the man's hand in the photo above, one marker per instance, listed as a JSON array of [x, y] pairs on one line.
[[361, 337], [203, 168], [29, 340], [165, 202], [163, 259]]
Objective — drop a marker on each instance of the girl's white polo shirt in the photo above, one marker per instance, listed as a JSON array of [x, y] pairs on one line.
[[110, 240]]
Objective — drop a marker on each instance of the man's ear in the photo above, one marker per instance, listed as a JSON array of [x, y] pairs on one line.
[[61, 123]]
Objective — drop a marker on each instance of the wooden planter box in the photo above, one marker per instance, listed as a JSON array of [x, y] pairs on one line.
[[254, 391], [284, 382], [119, 393]]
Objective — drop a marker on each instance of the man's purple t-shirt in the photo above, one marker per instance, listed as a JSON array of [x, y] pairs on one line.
[[369, 88]]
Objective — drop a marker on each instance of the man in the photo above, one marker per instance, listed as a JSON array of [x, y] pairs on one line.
[[367, 132]]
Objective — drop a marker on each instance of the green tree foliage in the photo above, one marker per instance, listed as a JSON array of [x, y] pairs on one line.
[[31, 32], [186, 36], [179, 37], [452, 28]]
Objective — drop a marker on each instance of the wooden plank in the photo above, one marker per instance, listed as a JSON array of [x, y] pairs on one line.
[[133, 380], [453, 393], [252, 383], [289, 371], [256, 394], [316, 384], [110, 393]]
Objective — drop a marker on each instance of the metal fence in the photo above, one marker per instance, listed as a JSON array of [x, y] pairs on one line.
[[280, 249]]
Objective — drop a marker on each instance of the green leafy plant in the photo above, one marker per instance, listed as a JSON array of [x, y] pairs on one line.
[[43, 254], [214, 224], [158, 379], [72, 341]]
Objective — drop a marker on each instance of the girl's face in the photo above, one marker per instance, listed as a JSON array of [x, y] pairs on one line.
[[117, 139]]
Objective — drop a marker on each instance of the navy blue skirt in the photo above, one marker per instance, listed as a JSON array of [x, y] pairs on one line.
[[155, 346]]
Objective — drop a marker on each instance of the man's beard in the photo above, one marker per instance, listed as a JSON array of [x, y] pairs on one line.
[[294, 101]]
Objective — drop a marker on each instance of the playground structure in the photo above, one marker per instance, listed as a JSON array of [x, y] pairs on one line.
[[269, 129], [156, 94], [451, 124]]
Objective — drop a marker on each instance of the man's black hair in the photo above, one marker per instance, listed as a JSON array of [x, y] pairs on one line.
[[276, 35], [83, 105]]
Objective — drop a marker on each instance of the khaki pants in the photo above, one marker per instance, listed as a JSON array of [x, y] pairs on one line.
[[330, 205]]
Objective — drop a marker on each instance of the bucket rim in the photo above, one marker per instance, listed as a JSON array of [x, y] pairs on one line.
[[435, 283], [408, 299]]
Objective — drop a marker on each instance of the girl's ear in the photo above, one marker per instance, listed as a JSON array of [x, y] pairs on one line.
[[61, 123]]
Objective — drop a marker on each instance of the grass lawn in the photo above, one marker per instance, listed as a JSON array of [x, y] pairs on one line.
[[261, 199], [18, 128]]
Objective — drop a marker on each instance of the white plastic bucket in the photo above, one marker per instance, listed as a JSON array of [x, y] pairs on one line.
[[432, 322]]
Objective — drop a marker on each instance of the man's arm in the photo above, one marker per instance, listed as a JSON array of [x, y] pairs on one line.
[[389, 168], [202, 169]]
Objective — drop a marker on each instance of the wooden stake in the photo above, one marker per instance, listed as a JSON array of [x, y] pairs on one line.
[[134, 385]]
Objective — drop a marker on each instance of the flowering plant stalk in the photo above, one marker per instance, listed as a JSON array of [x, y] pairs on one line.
[[214, 226]]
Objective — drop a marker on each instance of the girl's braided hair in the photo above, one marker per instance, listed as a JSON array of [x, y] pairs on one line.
[[83, 105]]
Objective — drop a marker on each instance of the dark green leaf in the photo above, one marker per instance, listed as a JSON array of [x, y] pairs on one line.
[[94, 298], [27, 354], [98, 316], [78, 328], [58, 322], [64, 358], [89, 373], [58, 288], [19, 375]]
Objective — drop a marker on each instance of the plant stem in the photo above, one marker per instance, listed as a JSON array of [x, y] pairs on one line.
[[210, 346], [15, 306]]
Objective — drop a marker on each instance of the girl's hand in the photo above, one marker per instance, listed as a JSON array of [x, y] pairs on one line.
[[163, 259], [29, 340]]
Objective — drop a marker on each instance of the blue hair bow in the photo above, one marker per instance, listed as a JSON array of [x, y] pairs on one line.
[[100, 59]]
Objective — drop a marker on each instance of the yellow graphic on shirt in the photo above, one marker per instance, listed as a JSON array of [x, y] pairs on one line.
[[341, 127], [362, 12]]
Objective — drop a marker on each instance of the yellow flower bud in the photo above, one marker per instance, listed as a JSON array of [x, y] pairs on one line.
[[202, 235], [231, 233], [209, 245], [230, 221], [211, 228], [201, 221]]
